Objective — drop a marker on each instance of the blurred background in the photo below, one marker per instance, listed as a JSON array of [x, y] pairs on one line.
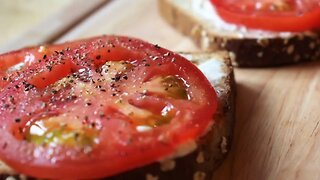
[[33, 22], [18, 16]]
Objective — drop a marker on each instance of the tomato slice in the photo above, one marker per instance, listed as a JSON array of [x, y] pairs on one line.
[[278, 15], [98, 107]]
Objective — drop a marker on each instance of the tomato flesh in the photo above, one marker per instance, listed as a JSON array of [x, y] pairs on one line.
[[279, 15], [98, 107]]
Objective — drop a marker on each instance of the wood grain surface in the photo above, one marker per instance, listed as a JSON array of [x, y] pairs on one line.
[[277, 132], [56, 24], [139, 18], [17, 16]]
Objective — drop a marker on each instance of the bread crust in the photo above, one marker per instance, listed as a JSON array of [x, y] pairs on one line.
[[246, 52]]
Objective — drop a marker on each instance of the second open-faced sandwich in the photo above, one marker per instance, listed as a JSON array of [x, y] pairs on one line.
[[256, 33]]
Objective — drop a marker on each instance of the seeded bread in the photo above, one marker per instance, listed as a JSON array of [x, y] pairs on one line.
[[249, 48], [211, 149]]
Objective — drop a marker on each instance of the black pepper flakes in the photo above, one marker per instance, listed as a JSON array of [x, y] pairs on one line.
[[49, 67], [99, 86], [98, 57], [157, 46], [98, 70], [20, 130], [54, 91], [5, 106], [44, 56], [116, 78], [11, 99], [72, 97], [76, 135], [17, 120], [167, 54], [5, 145], [28, 87], [101, 114]]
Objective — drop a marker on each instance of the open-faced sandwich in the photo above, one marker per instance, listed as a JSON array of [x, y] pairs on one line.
[[256, 33], [113, 107]]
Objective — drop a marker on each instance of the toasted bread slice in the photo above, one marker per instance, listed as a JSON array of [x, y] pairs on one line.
[[250, 48], [211, 149]]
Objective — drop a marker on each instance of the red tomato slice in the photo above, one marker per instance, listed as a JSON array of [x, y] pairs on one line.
[[279, 15], [98, 107]]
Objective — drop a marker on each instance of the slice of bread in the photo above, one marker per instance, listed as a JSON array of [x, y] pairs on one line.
[[211, 149], [250, 48]]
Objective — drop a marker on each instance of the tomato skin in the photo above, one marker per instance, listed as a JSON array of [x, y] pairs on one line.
[[120, 147], [295, 17]]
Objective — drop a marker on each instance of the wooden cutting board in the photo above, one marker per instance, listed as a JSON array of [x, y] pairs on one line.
[[277, 133], [53, 22], [18, 15]]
